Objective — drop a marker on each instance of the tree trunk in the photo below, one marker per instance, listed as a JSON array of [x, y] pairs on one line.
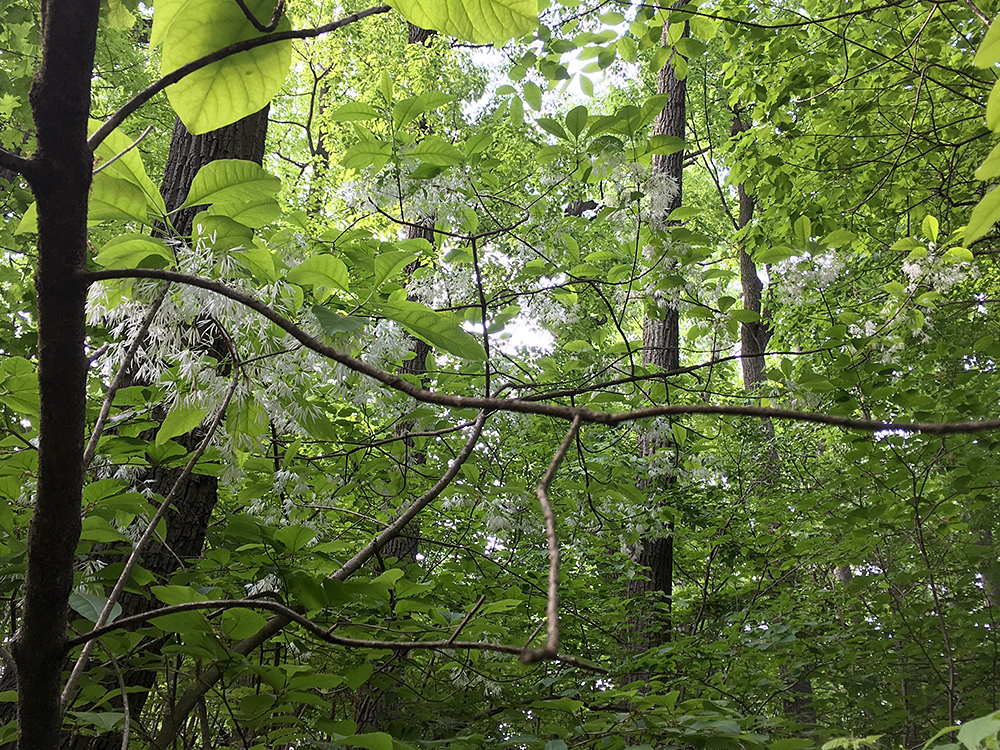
[[660, 350], [189, 515]]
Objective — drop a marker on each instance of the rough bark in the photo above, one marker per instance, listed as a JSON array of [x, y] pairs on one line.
[[189, 515], [60, 178], [661, 350]]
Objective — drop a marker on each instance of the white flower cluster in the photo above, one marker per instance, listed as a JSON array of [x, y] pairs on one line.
[[935, 272], [443, 198], [799, 276]]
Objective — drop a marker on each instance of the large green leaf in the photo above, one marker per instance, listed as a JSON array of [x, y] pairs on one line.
[[131, 250], [405, 111], [113, 198], [437, 151], [482, 21], [182, 419], [989, 49], [231, 181], [984, 216], [437, 329], [230, 89], [127, 166], [320, 270]]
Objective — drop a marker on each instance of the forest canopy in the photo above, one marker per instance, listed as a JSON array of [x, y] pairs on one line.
[[533, 374]]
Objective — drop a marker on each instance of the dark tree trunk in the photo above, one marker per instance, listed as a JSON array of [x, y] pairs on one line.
[[660, 350], [189, 516], [60, 178]]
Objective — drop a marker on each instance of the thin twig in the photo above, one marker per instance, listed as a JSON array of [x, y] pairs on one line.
[[551, 647], [271, 25], [465, 620], [120, 154], [116, 383], [133, 559]]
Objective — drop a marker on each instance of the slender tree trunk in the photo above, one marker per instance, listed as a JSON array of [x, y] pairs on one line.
[[60, 177], [661, 350]]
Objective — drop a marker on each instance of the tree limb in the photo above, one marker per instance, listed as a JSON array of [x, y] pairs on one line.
[[524, 406]]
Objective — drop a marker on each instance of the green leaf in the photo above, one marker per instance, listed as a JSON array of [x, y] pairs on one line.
[[113, 198], [437, 329], [553, 127], [320, 270], [993, 108], [183, 418], [989, 49], [984, 216], [221, 232], [240, 623], [228, 90], [354, 112], [231, 181], [482, 22], [126, 165], [90, 606], [358, 676], [374, 154], [250, 213], [929, 227], [388, 264], [368, 741], [576, 120], [97, 529], [991, 166], [295, 538], [437, 151], [802, 230], [974, 734], [103, 720], [171, 595], [333, 323], [404, 112], [132, 250]]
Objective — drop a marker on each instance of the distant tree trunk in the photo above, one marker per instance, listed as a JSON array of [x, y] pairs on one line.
[[373, 711], [189, 516], [754, 338], [661, 350]]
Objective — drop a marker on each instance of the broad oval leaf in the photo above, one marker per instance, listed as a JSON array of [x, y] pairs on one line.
[[226, 91], [114, 198], [221, 232], [231, 181], [353, 112], [437, 151], [131, 250], [373, 154], [253, 214], [333, 323], [182, 419], [984, 216], [320, 270], [482, 22], [90, 606], [127, 165], [989, 50], [437, 329], [405, 111]]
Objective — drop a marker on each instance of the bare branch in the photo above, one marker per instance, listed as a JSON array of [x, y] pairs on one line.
[[173, 77], [116, 383], [122, 153], [15, 163], [524, 406], [271, 25], [551, 647], [133, 559], [319, 631]]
